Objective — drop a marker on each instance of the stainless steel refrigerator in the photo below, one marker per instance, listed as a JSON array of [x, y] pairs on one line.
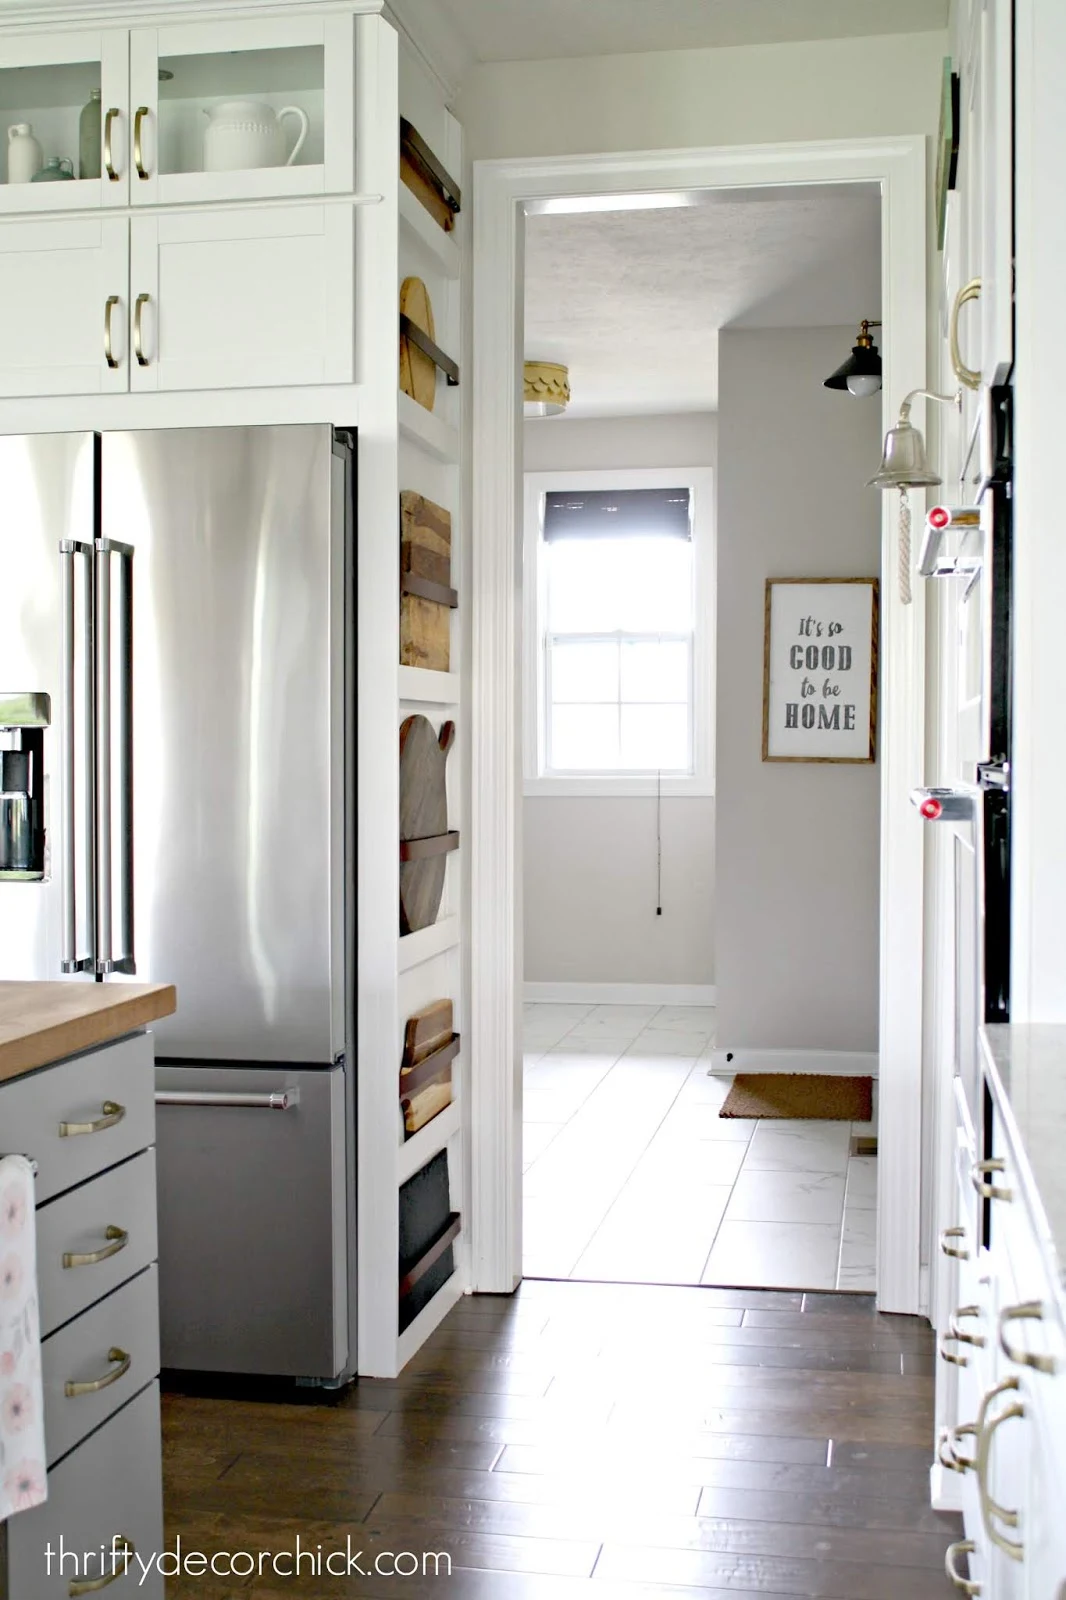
[[186, 599]]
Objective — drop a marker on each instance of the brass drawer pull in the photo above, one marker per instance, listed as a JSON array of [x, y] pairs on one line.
[[956, 1333], [112, 1114], [119, 1240], [950, 1355], [109, 352], [94, 1385], [138, 152], [965, 374], [989, 1191], [138, 334], [990, 1509], [1032, 1311], [109, 160], [120, 1546], [964, 1547], [950, 1250], [946, 1449]]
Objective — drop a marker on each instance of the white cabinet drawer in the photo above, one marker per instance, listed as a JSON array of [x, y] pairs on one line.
[[111, 1486], [40, 1114], [116, 1341], [95, 1237]]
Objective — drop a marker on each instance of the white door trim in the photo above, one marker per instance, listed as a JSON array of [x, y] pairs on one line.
[[501, 190]]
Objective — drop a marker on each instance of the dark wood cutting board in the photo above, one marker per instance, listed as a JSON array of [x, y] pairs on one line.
[[423, 815]]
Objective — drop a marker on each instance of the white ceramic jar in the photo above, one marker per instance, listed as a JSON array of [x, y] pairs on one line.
[[24, 155], [247, 133]]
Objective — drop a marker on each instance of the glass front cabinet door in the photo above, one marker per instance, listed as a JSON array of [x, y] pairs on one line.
[[64, 121], [242, 110]]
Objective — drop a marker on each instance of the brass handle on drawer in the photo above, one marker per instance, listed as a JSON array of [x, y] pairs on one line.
[[120, 1545], [138, 339], [109, 162], [965, 374], [986, 1429], [113, 1113], [94, 1385], [950, 1355], [949, 1250], [989, 1191], [120, 1239], [109, 354], [138, 153], [953, 1462], [964, 1547], [1033, 1311], [956, 1333]]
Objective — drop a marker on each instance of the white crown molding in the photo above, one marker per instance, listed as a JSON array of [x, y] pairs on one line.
[[48, 15], [437, 42]]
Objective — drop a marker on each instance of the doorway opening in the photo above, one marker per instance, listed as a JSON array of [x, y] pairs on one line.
[[511, 197]]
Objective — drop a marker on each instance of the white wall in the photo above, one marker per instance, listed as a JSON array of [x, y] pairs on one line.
[[670, 98], [797, 845], [589, 876]]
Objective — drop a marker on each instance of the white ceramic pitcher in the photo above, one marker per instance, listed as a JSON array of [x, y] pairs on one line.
[[247, 133]]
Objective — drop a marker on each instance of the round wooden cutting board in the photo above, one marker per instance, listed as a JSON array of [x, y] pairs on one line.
[[418, 374], [423, 815]]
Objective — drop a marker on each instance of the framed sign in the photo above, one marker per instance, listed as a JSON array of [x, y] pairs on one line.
[[820, 669]]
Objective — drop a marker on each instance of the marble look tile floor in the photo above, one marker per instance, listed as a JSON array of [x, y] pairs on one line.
[[631, 1175]]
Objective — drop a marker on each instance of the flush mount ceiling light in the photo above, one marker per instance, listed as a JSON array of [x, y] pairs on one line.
[[860, 374], [546, 389]]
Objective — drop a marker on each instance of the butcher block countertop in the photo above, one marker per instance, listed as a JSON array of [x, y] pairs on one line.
[[44, 1022]]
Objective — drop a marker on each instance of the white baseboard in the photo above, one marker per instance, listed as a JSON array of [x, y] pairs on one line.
[[624, 994], [831, 1063]]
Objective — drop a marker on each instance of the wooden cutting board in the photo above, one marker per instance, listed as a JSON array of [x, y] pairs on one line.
[[423, 815], [418, 374], [422, 1098], [425, 552]]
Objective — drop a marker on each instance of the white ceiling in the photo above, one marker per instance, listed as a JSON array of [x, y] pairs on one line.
[[632, 301], [532, 30]]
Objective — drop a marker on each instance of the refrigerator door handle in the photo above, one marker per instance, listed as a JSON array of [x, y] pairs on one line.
[[71, 961], [106, 960]]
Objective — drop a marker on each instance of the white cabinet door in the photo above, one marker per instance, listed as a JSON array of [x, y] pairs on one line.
[[243, 299], [63, 306], [186, 77]]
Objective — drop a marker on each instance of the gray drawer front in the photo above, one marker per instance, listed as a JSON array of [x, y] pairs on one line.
[[111, 1485], [76, 1225], [32, 1110], [127, 1320]]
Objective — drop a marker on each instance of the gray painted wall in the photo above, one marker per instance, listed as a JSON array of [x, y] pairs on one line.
[[797, 846], [589, 864]]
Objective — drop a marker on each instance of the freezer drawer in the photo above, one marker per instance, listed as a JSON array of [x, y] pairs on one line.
[[252, 1220]]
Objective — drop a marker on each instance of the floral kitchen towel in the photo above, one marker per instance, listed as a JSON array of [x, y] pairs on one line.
[[22, 1457]]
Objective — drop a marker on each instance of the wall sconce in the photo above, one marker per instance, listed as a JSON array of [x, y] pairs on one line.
[[904, 466], [860, 374]]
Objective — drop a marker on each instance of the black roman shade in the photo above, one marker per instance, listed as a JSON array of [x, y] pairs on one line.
[[617, 514]]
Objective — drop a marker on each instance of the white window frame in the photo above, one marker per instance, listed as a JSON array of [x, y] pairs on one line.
[[700, 782]]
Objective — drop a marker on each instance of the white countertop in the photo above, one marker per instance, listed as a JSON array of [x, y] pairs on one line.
[[1026, 1067]]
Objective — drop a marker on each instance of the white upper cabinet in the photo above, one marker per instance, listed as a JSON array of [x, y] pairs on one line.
[[72, 91], [64, 306], [242, 110]]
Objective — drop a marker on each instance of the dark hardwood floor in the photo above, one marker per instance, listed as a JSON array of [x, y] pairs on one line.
[[583, 1440]]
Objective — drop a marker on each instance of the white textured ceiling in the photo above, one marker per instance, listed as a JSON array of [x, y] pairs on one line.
[[632, 301], [532, 30]]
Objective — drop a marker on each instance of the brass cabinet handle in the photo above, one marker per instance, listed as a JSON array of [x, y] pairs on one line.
[[986, 1428], [965, 374], [120, 1545], [946, 1453], [138, 153], [109, 162], [950, 1250], [94, 1385], [956, 1333], [138, 338], [119, 1240], [989, 1191], [951, 1355], [964, 1547], [1032, 1311], [109, 354], [112, 1113]]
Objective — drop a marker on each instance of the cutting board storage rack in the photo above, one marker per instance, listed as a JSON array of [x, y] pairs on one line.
[[426, 594], [427, 178], [430, 1047], [428, 1230]]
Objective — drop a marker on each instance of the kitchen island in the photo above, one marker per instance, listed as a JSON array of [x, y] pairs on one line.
[[77, 1097]]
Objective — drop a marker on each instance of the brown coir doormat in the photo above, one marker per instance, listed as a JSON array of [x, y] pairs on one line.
[[799, 1095]]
